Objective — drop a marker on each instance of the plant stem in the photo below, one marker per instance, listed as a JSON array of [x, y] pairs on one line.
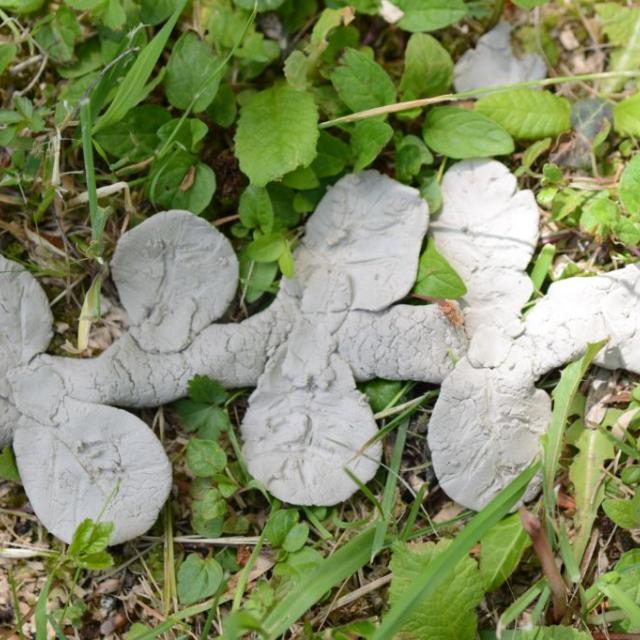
[[396, 107]]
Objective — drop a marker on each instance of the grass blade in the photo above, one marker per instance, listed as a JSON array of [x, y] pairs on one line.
[[563, 395], [133, 88], [337, 567], [438, 570]]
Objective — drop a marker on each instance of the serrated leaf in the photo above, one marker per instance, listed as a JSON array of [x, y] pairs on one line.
[[625, 513], [277, 132], [436, 277], [198, 578], [527, 114], [501, 551], [461, 592], [205, 389], [428, 68], [461, 133], [429, 15], [629, 190], [368, 139], [362, 83], [193, 69]]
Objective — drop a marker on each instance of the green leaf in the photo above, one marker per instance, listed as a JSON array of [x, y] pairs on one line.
[[501, 551], [586, 473], [362, 83], [296, 537], [546, 633], [621, 25], [7, 55], [368, 139], [263, 5], [205, 458], [198, 578], [411, 154], [563, 396], [430, 15], [629, 190], [205, 389], [439, 568], [436, 277], [428, 68], [461, 133], [277, 132], [279, 524], [529, 4], [527, 114], [87, 548], [315, 583], [58, 33], [625, 513], [223, 109], [135, 137], [134, 88], [177, 182], [193, 69], [208, 420], [267, 248], [332, 156], [626, 116], [460, 592], [8, 467]]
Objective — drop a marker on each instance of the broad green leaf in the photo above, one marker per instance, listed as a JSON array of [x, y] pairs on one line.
[[438, 571], [436, 277], [134, 88], [277, 132], [205, 389], [430, 15], [411, 154], [267, 248], [461, 133], [332, 156], [625, 513], [626, 116], [223, 109], [206, 419], [255, 209], [88, 545], [8, 467], [135, 137], [368, 139], [296, 537], [563, 396], [501, 551], [193, 69], [58, 33], [527, 114], [184, 133], [205, 458], [428, 68], [380, 393], [461, 592], [629, 190], [599, 215], [621, 25], [362, 83], [586, 473], [279, 524], [198, 578]]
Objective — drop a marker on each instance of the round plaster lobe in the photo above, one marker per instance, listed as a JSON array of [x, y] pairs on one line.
[[175, 274], [102, 457], [484, 430], [488, 231], [369, 227], [493, 63]]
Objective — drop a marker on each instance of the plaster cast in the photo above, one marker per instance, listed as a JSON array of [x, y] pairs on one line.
[[306, 421], [493, 63]]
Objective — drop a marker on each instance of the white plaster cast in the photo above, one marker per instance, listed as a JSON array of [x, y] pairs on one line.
[[493, 63], [304, 353]]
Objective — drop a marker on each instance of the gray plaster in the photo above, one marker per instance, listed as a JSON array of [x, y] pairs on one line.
[[306, 420], [493, 63]]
